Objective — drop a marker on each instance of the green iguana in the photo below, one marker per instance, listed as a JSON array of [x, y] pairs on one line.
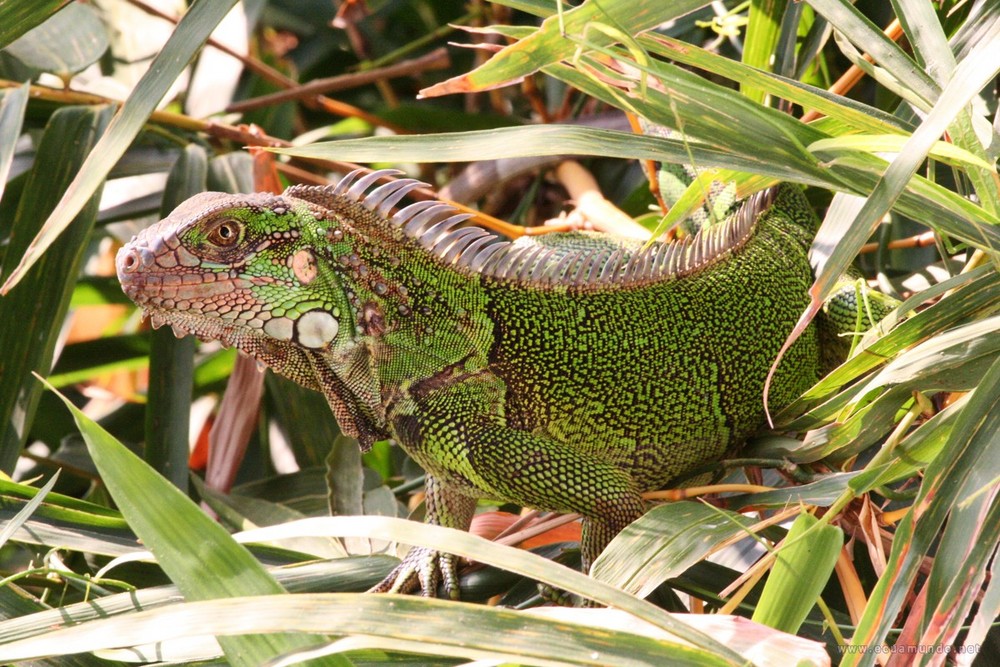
[[568, 375]]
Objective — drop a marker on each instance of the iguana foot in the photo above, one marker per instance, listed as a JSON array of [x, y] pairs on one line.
[[424, 569]]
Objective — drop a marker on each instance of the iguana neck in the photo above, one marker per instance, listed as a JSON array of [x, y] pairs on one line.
[[406, 306]]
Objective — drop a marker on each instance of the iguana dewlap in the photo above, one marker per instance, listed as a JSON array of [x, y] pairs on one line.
[[564, 375]]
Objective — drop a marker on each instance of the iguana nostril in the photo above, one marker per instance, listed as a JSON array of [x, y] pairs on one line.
[[130, 260], [126, 260]]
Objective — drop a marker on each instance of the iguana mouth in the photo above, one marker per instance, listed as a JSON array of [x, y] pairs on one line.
[[164, 294]]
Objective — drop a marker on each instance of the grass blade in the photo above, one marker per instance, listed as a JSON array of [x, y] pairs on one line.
[[850, 223], [14, 524], [69, 135], [907, 76], [419, 624], [167, 521], [12, 105]]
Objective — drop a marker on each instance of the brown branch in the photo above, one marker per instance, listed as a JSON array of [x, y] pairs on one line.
[[279, 79], [257, 67], [918, 241], [435, 60]]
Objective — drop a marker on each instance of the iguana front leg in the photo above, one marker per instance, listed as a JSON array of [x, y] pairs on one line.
[[454, 426], [426, 568]]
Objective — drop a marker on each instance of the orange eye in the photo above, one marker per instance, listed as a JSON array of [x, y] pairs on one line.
[[224, 234]]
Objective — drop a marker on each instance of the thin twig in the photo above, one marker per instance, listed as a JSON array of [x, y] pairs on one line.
[[435, 60], [278, 78], [256, 66], [918, 241]]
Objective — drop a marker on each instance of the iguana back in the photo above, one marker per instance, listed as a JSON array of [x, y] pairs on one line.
[[662, 373]]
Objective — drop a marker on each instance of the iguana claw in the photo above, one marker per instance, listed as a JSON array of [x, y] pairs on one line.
[[424, 569]]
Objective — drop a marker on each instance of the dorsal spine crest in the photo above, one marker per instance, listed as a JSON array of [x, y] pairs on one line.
[[430, 225]]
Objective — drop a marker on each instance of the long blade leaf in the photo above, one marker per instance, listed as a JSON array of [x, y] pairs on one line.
[[196, 552]]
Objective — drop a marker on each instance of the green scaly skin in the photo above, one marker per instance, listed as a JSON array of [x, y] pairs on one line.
[[531, 380]]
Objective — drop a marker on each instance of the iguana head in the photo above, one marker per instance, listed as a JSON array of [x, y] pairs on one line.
[[237, 268], [296, 281]]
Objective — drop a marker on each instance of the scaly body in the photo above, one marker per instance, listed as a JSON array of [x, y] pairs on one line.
[[565, 376]]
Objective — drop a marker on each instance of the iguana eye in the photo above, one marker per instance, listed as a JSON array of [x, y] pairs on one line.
[[224, 234]]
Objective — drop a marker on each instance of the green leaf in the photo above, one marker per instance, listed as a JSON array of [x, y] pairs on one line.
[[65, 523], [665, 542], [168, 523], [11, 527], [191, 33], [68, 42], [851, 220], [902, 75], [533, 140], [972, 294], [971, 451], [763, 31], [856, 115], [894, 143], [81, 361], [951, 361], [29, 325], [19, 16], [804, 563], [823, 492]]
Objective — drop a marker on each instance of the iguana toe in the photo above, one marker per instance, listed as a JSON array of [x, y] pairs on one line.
[[423, 569]]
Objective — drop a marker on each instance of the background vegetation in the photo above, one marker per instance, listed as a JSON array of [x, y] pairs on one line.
[[112, 112]]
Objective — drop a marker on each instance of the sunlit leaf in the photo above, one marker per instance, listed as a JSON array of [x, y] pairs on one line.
[[71, 40], [164, 519], [559, 37], [663, 543], [12, 105], [420, 625]]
